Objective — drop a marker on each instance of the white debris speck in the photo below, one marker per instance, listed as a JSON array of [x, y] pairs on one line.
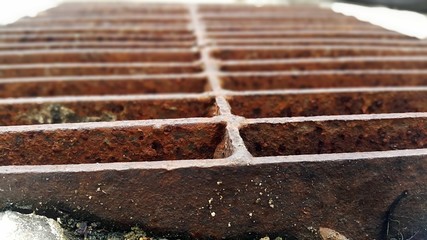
[[229, 224], [270, 202], [213, 214], [210, 201], [250, 214], [219, 182]]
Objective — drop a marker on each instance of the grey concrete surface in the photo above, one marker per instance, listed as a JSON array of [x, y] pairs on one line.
[[17, 226]]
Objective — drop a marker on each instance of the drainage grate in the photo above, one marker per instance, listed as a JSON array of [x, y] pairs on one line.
[[213, 121]]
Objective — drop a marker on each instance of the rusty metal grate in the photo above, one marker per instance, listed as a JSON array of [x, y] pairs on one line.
[[212, 121]]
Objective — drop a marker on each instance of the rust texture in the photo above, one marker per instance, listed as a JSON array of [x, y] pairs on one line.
[[104, 109], [318, 51], [326, 64], [96, 55], [266, 139], [101, 85], [31, 70], [323, 79], [327, 103], [113, 144], [215, 121], [297, 197]]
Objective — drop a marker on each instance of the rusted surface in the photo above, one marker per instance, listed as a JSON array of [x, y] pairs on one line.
[[308, 34], [100, 85], [334, 136], [305, 196], [116, 8], [131, 143], [327, 63], [171, 29], [247, 53], [322, 79], [96, 55], [144, 36], [297, 20], [327, 103], [102, 109], [103, 20], [238, 27], [295, 41], [33, 70], [94, 44], [221, 126]]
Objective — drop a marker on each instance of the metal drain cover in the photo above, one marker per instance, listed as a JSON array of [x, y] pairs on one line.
[[213, 121]]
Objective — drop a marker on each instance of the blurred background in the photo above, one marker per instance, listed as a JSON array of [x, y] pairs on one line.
[[396, 15]]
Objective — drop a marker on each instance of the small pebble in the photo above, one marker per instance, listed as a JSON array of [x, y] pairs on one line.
[[330, 234]]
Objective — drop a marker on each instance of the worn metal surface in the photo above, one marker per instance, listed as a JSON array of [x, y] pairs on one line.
[[232, 121]]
